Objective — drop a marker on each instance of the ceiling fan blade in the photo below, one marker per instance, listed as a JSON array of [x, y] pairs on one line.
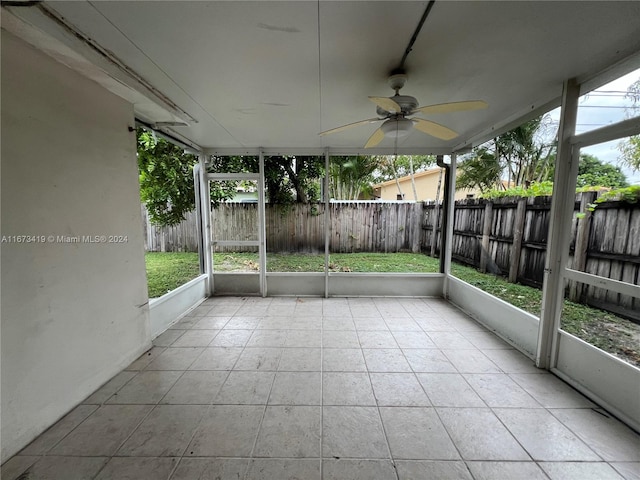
[[387, 104], [453, 107], [434, 129], [355, 124], [375, 139]]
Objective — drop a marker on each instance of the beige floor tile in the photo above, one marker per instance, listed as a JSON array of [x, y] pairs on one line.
[[353, 432], [342, 469], [506, 470], [479, 435], [226, 431], [405, 428], [103, 432], [399, 390], [47, 440], [543, 436], [347, 388], [165, 432], [283, 469], [441, 470], [289, 431], [136, 468]]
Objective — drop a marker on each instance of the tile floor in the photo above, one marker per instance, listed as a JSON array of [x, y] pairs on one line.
[[359, 388]]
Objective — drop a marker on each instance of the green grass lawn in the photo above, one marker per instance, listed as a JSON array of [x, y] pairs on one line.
[[605, 330], [166, 271], [339, 262]]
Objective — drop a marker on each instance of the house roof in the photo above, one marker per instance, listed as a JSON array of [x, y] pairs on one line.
[[246, 75]]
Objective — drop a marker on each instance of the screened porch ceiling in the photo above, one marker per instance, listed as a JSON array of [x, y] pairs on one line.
[[244, 75]]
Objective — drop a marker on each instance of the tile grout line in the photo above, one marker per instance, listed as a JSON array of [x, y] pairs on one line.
[[322, 391], [377, 407], [209, 406], [434, 407], [266, 404]]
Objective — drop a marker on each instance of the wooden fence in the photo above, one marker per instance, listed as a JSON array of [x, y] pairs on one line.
[[508, 237], [503, 236], [300, 228], [179, 238]]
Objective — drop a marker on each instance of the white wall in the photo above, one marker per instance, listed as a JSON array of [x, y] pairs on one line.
[[73, 314]]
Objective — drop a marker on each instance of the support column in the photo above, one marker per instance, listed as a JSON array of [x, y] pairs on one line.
[[327, 222], [205, 207], [262, 232], [199, 216], [557, 254], [447, 251]]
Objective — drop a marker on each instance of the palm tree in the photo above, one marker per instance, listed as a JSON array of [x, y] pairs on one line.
[[350, 176], [520, 155]]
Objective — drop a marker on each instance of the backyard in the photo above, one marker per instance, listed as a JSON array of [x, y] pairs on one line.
[[618, 336]]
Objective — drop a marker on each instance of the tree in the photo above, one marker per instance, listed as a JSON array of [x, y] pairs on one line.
[[350, 176], [286, 175], [166, 179], [522, 156], [481, 171], [393, 167], [288, 179], [593, 172], [630, 148]]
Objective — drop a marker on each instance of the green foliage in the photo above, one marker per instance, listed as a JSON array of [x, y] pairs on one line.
[[630, 152], [390, 167], [520, 155], [286, 175], [166, 179], [593, 175], [593, 172], [288, 179], [627, 194], [630, 147], [481, 171], [535, 189], [350, 176]]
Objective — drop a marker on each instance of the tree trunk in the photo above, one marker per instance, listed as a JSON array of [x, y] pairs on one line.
[[413, 180], [301, 195], [395, 176]]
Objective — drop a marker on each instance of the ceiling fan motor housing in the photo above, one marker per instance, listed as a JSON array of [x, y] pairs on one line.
[[406, 102]]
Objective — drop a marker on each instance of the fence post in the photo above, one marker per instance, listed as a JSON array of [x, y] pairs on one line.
[[516, 246], [582, 244], [487, 221], [434, 231]]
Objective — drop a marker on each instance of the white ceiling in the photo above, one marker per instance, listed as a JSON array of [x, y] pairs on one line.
[[274, 74]]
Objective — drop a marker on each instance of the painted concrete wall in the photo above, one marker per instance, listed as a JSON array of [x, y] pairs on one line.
[[73, 313], [426, 188]]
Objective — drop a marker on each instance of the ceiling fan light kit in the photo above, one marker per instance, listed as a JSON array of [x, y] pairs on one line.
[[397, 127]]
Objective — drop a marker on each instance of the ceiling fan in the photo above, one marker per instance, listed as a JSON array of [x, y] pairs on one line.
[[394, 113]]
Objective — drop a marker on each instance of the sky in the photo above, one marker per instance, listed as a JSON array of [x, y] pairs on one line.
[[601, 107]]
